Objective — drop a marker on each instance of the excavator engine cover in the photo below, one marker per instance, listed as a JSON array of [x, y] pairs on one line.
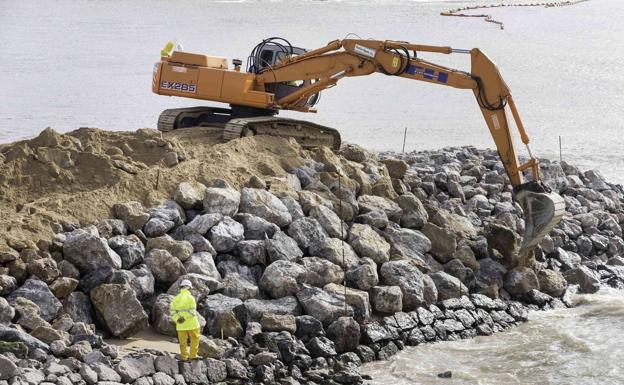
[[542, 208]]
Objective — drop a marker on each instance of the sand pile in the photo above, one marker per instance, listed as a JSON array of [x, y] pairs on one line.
[[59, 179]]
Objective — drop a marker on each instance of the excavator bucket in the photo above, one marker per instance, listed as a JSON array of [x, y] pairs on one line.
[[542, 212]]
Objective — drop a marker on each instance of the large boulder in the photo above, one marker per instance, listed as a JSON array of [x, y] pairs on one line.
[[256, 228], [336, 251], [588, 281], [218, 310], [281, 278], [226, 235], [181, 250], [265, 205], [448, 286], [39, 293], [236, 286], [411, 244], [307, 232], [253, 309], [357, 299], [368, 244], [88, 251], [8, 369], [252, 252], [78, 306], [418, 289], [368, 203], [387, 299], [443, 242], [202, 223], [129, 248], [345, 332], [324, 306], [7, 313], [165, 267], [320, 271], [44, 268], [118, 310], [330, 221], [132, 213], [224, 201], [190, 196], [519, 281], [8, 334], [132, 368], [552, 282], [363, 275], [506, 242], [282, 247], [414, 214], [202, 263]]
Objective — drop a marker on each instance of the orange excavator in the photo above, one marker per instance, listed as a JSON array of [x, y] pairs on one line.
[[280, 76]]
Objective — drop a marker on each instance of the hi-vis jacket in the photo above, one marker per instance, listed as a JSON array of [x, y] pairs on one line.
[[183, 305]]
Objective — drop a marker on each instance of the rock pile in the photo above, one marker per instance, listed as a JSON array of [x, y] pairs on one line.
[[349, 261]]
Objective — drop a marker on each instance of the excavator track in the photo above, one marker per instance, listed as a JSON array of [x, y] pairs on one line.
[[307, 134]]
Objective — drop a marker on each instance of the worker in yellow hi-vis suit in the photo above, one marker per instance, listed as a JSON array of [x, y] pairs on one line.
[[184, 314]]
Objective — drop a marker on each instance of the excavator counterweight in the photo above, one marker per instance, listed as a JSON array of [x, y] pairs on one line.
[[280, 76]]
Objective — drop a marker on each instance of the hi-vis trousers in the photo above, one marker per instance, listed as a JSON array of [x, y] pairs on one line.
[[183, 337]]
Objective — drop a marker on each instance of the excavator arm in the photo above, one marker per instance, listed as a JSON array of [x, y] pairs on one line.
[[349, 58]]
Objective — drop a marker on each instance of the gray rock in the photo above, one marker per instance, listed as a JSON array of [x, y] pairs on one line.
[[443, 243], [216, 370], [39, 293], [226, 235], [278, 322], [345, 333], [506, 241], [307, 232], [357, 299], [410, 244], [368, 244], [416, 290], [167, 365], [44, 268], [181, 250], [281, 279], [336, 251], [224, 201], [129, 248], [520, 280], [294, 208], [201, 224], [282, 247], [375, 218], [202, 263], [236, 286], [256, 228], [363, 275], [414, 215], [324, 306], [387, 299], [321, 272], [552, 282], [7, 368], [368, 203], [8, 284], [190, 196], [8, 334], [87, 251], [78, 306], [251, 252], [587, 280], [132, 213], [106, 374], [235, 369], [132, 368], [194, 372], [156, 227], [165, 267], [321, 347], [218, 310], [163, 379], [448, 286], [330, 222], [253, 309], [118, 309], [265, 205], [7, 313]]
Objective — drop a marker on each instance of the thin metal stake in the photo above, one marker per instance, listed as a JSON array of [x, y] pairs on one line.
[[344, 281], [560, 155], [404, 137]]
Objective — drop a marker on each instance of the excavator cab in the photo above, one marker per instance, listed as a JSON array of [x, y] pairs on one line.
[[269, 53]]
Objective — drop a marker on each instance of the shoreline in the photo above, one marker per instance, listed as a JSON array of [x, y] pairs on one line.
[[308, 263]]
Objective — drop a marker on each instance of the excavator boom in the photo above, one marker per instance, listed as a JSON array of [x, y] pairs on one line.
[[282, 77]]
